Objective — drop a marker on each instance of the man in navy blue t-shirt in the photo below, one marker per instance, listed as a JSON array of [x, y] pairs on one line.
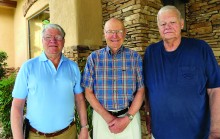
[[183, 83]]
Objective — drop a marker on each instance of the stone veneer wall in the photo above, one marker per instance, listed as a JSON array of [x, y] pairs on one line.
[[79, 53], [203, 22], [139, 17]]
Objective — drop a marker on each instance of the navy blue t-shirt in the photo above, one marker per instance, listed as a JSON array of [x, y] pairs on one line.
[[177, 85]]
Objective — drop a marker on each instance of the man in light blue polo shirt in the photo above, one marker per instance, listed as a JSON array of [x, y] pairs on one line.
[[50, 84]]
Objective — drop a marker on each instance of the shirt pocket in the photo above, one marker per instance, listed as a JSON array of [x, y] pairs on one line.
[[187, 75], [128, 71], [128, 76]]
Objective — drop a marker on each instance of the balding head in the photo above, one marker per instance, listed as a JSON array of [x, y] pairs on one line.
[[114, 21]]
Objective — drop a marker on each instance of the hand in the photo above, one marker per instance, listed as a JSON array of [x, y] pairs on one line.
[[84, 133], [109, 118], [118, 124]]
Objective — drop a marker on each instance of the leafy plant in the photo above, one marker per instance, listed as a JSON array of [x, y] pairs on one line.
[[6, 87], [81, 63], [3, 64], [45, 22]]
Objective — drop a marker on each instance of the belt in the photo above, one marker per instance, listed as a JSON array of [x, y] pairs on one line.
[[54, 133], [118, 113]]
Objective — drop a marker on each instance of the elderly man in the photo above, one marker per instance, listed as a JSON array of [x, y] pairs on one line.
[[50, 83], [114, 86], [183, 82]]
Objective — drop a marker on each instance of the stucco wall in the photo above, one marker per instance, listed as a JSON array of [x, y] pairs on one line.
[[65, 15], [90, 22], [7, 33], [20, 33], [82, 20]]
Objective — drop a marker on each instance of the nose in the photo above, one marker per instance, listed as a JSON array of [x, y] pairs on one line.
[[168, 25], [115, 34], [53, 39]]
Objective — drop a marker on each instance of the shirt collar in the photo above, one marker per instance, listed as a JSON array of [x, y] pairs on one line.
[[121, 49], [43, 57]]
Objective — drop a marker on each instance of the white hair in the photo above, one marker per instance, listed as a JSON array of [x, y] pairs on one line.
[[169, 7]]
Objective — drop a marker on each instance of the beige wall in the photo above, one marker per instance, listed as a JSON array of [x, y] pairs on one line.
[[65, 14], [20, 32], [81, 19], [90, 22], [7, 33]]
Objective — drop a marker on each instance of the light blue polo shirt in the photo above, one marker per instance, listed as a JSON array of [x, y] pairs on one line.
[[49, 92]]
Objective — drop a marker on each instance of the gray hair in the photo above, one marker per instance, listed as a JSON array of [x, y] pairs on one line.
[[169, 7], [53, 26]]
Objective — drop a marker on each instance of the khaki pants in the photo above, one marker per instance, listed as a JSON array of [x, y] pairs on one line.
[[101, 130], [68, 134]]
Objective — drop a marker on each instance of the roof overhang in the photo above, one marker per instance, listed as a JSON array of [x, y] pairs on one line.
[[8, 3]]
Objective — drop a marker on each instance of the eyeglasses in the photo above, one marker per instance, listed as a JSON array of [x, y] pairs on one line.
[[111, 32], [49, 37], [164, 24]]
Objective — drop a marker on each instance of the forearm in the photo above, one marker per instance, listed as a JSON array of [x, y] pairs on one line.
[[214, 102], [97, 106], [137, 102], [17, 121], [81, 109]]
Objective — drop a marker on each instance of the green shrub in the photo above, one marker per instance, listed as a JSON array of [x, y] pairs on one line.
[[6, 87], [3, 64]]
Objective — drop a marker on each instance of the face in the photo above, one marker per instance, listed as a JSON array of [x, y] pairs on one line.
[[114, 34], [170, 25], [53, 42]]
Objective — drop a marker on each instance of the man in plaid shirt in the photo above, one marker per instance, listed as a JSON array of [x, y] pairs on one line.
[[113, 81]]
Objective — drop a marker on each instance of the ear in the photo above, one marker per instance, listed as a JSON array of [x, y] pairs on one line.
[[182, 23], [125, 31]]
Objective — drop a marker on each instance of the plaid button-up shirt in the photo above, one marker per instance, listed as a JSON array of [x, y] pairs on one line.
[[113, 78]]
